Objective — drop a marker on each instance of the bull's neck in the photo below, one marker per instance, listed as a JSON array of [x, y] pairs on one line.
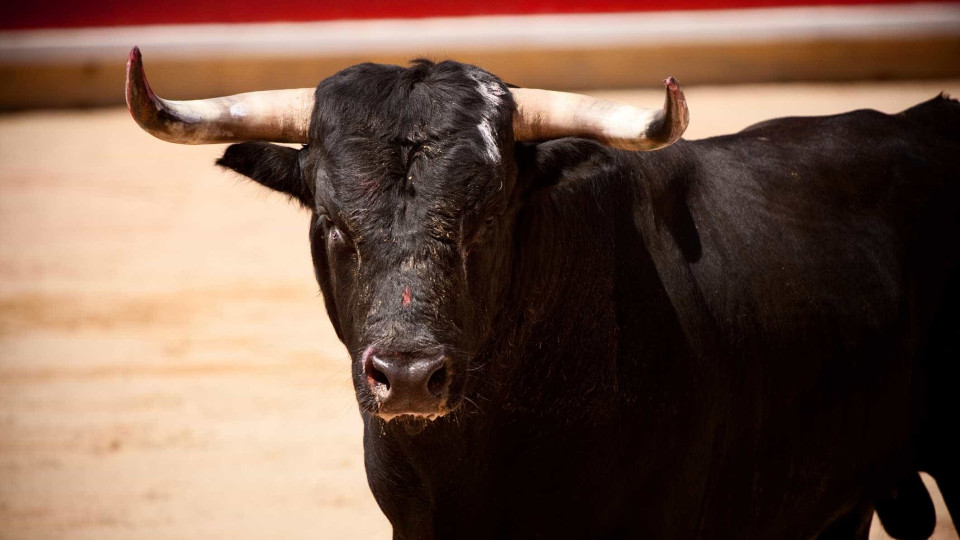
[[584, 287]]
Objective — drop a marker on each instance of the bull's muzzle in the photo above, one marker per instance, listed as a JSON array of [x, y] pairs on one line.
[[405, 384]]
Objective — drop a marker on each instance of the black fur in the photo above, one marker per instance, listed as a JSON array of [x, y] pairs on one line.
[[739, 337]]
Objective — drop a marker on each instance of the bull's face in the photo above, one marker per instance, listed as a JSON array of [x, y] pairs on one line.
[[411, 180], [412, 176]]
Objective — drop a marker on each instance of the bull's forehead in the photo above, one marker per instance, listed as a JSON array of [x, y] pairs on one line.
[[421, 145], [422, 102], [430, 187]]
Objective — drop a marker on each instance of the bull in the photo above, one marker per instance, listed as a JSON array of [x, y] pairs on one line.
[[557, 332]]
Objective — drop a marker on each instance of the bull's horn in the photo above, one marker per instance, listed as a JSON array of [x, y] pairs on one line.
[[542, 115], [273, 115]]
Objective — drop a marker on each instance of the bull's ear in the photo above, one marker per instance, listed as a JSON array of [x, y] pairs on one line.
[[272, 165]]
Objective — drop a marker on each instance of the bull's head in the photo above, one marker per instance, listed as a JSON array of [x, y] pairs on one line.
[[411, 178]]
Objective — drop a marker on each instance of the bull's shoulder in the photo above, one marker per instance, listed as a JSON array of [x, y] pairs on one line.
[[782, 205], [856, 154]]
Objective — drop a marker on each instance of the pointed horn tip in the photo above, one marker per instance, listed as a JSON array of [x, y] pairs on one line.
[[134, 71], [672, 84], [142, 103]]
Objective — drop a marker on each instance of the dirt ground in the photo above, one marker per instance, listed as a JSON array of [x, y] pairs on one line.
[[167, 369]]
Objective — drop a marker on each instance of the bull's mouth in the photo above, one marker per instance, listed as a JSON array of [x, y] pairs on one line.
[[448, 404], [428, 406], [411, 424], [411, 416]]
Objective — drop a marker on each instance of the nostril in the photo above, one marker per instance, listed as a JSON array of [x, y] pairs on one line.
[[376, 377], [438, 380]]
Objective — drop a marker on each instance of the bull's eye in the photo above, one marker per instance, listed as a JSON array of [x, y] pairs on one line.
[[336, 237]]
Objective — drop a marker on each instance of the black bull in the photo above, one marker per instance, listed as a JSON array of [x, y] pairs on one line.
[[748, 336]]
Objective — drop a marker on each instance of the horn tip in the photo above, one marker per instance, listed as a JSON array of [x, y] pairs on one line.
[[134, 74], [672, 84], [142, 103]]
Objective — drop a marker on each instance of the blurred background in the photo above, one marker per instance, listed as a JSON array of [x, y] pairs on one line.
[[167, 369]]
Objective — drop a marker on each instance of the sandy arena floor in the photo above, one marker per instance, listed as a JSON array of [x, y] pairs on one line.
[[167, 369]]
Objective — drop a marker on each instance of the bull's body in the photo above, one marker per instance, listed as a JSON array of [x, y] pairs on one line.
[[717, 340], [749, 336]]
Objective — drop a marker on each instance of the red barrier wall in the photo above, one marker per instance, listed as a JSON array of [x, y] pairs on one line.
[[23, 14]]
